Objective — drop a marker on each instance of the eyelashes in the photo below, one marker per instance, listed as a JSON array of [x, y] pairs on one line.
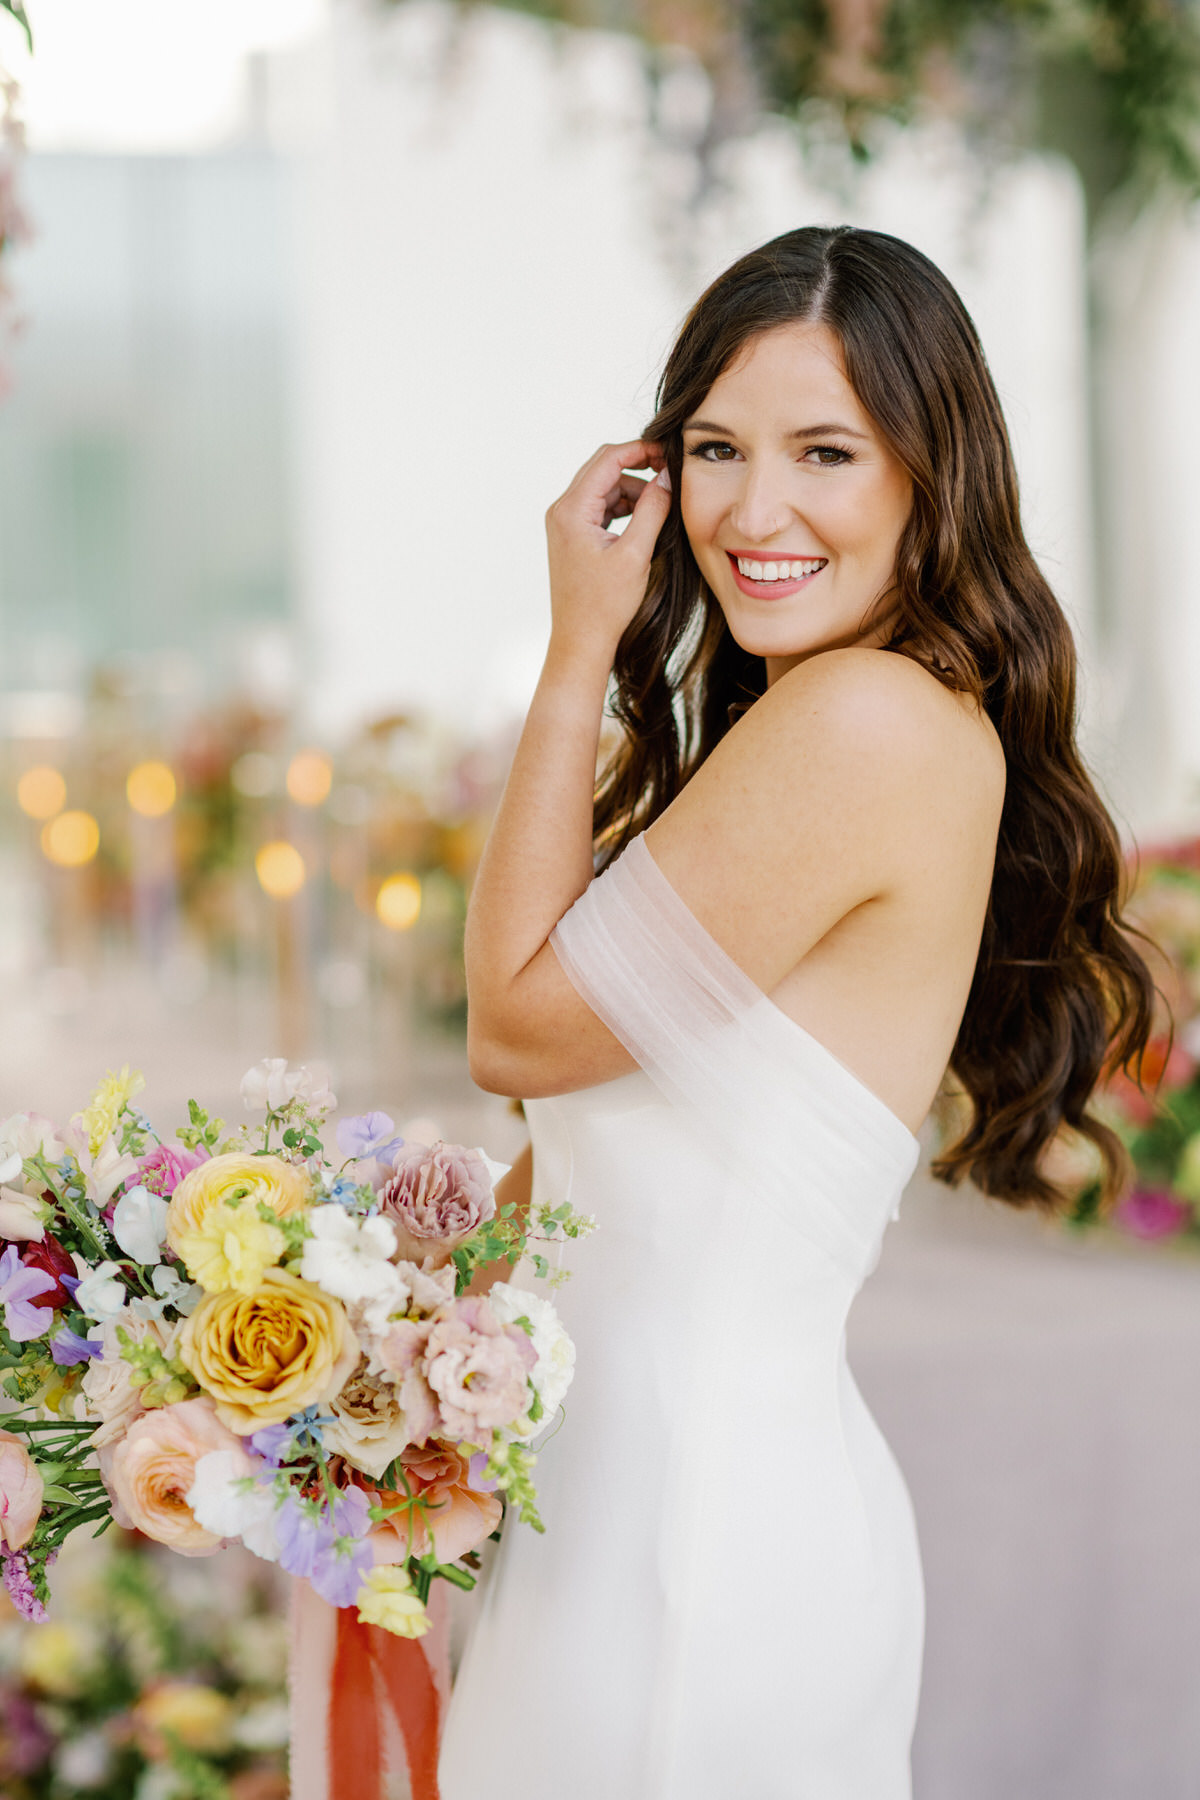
[[830, 456]]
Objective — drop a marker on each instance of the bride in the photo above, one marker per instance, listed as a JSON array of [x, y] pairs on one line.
[[846, 841]]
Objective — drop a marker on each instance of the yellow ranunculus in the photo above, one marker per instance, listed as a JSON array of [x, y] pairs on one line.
[[232, 1248], [99, 1117], [386, 1598], [199, 1717], [265, 1355], [213, 1221]]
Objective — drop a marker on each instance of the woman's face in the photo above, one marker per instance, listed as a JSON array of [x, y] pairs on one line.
[[793, 504]]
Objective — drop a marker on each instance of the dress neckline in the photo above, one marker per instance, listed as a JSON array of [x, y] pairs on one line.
[[738, 974]]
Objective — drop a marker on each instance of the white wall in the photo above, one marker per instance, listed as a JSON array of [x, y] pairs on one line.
[[482, 300]]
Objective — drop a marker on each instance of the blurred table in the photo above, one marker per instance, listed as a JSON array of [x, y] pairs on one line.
[[1041, 1394]]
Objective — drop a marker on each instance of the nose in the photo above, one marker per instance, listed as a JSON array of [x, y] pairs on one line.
[[762, 509]]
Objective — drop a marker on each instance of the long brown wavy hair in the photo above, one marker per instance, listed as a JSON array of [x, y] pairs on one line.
[[1060, 995]]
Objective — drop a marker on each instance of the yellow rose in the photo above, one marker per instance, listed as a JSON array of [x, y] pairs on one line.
[[386, 1598], [214, 1225], [266, 1355], [197, 1717]]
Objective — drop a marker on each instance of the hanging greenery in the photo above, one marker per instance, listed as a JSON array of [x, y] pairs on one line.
[[1113, 84]]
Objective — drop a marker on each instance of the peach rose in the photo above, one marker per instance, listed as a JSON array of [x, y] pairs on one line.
[[457, 1518], [152, 1468], [21, 1490], [369, 1426], [266, 1355]]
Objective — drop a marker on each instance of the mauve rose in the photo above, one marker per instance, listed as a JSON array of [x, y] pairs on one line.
[[1151, 1213], [436, 1197], [162, 1171], [21, 1489], [457, 1518], [49, 1256], [478, 1369]]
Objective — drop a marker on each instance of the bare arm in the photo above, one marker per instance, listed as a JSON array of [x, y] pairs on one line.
[[539, 855]]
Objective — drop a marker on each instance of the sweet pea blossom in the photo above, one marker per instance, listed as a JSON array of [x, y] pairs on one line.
[[368, 1134], [22, 1218], [349, 1257], [229, 1497], [67, 1347], [30, 1134], [101, 1292], [330, 1548], [270, 1086], [104, 1170], [19, 1287], [139, 1224]]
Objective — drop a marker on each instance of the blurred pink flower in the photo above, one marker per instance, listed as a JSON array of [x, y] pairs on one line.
[[1151, 1213]]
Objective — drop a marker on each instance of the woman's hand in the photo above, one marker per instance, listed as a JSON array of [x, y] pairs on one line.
[[598, 577]]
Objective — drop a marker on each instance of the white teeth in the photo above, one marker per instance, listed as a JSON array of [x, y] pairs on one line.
[[779, 571]]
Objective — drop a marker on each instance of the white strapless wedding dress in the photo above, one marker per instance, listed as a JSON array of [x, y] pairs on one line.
[[727, 1603]]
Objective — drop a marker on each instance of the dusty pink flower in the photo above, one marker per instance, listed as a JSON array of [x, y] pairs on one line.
[[163, 1169], [1152, 1213], [435, 1198], [21, 1490], [106, 1385], [401, 1352], [456, 1517], [153, 1467], [478, 1369]]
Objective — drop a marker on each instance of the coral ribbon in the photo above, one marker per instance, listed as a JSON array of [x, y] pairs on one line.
[[364, 1701], [373, 1670]]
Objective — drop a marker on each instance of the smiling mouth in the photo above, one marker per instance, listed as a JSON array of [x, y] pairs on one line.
[[774, 576]]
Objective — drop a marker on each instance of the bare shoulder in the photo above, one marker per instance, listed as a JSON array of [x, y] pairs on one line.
[[879, 706]]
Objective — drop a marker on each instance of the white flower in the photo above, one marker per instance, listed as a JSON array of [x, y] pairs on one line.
[[270, 1085], [184, 1296], [84, 1761], [29, 1134], [101, 1292], [349, 1257], [554, 1370], [226, 1499], [266, 1726], [21, 1216], [11, 1165], [139, 1224], [414, 1291], [104, 1172]]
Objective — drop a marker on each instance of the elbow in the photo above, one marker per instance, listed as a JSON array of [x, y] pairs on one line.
[[496, 1066]]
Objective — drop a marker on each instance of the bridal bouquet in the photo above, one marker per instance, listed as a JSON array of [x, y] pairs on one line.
[[231, 1335]]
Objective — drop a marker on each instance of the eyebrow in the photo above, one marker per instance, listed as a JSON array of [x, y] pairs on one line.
[[805, 431]]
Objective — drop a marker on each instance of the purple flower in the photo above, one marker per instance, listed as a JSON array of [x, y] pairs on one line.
[[1152, 1213], [18, 1285], [19, 1581], [368, 1134], [329, 1548], [27, 1743], [67, 1347], [477, 1474], [270, 1441], [304, 1429]]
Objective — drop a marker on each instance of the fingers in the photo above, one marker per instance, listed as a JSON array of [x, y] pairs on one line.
[[649, 517], [603, 472]]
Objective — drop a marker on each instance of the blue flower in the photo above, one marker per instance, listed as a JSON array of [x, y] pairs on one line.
[[303, 1430]]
